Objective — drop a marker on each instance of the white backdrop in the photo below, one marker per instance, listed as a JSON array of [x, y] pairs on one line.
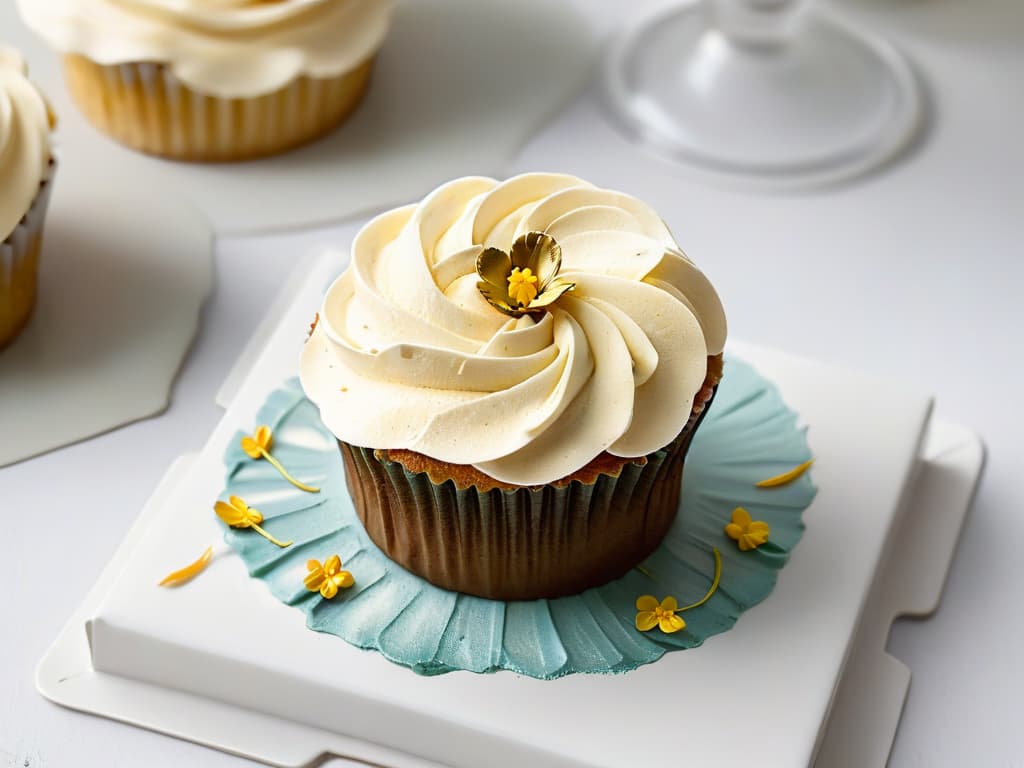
[[914, 273]]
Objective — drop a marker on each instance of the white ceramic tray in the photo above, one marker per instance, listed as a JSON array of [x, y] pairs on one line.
[[802, 677]]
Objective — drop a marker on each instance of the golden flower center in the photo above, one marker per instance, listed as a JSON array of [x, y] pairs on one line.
[[522, 286], [661, 613]]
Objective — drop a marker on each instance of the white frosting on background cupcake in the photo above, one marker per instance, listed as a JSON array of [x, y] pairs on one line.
[[408, 353], [223, 48], [24, 140]]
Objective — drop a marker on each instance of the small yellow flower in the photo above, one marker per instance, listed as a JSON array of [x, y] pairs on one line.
[[327, 578], [663, 615], [189, 572], [749, 534], [238, 514], [257, 446], [522, 286]]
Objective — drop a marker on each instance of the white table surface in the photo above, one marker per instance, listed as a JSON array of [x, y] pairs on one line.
[[914, 273]]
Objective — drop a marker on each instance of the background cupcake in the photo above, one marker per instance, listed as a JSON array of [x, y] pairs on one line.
[[506, 443], [213, 80], [26, 165]]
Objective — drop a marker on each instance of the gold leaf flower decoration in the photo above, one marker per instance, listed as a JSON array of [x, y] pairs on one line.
[[327, 578], [748, 534], [257, 446], [525, 280], [653, 614], [236, 513]]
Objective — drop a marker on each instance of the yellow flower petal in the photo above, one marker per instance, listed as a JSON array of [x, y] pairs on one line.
[[229, 514], [251, 448], [315, 577], [646, 620], [785, 477], [313, 580], [328, 589], [332, 565], [343, 579], [670, 624], [238, 514], [646, 603], [759, 528], [263, 436], [669, 604], [741, 517], [733, 531], [189, 572]]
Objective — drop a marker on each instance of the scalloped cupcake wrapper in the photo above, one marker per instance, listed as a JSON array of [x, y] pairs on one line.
[[749, 435], [19, 264], [523, 543], [144, 106]]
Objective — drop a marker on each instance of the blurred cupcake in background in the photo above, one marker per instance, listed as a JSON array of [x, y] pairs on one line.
[[213, 80], [26, 167]]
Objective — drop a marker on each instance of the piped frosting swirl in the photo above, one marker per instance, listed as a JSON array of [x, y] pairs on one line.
[[25, 123], [223, 48], [408, 353]]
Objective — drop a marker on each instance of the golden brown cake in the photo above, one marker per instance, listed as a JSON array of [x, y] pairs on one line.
[[145, 107], [214, 82]]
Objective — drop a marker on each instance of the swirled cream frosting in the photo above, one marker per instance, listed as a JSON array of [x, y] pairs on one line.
[[408, 354], [24, 140], [223, 48]]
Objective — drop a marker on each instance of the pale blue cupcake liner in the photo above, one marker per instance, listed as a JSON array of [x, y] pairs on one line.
[[748, 435]]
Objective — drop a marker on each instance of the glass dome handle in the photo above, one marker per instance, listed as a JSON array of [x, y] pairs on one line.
[[756, 23]]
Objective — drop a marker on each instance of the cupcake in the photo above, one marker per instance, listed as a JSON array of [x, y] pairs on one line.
[[213, 80], [514, 372], [26, 165]]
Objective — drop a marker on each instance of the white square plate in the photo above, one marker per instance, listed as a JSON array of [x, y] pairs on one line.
[[223, 663]]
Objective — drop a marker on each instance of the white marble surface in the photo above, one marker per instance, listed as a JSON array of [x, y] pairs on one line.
[[913, 274], [125, 268]]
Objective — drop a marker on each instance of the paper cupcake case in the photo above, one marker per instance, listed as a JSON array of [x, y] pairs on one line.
[[748, 435], [523, 543], [19, 264], [144, 106]]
